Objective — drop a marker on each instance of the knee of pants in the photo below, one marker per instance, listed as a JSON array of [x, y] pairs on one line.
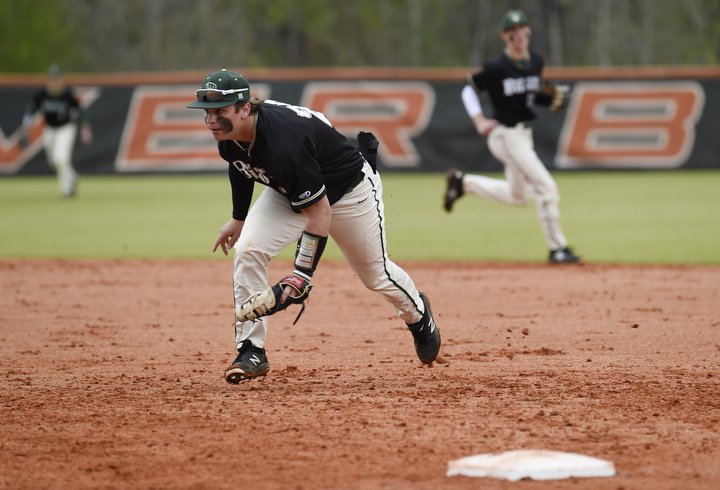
[[250, 270], [519, 197], [375, 286], [375, 280], [252, 257], [549, 196], [370, 279]]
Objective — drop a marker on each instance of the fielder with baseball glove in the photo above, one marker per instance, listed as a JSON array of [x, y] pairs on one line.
[[513, 81], [63, 114], [317, 184]]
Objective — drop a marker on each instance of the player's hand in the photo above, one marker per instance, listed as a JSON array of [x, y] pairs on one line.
[[485, 126], [86, 134], [286, 294], [295, 285], [228, 235]]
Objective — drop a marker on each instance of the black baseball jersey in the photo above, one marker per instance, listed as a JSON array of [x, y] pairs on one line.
[[513, 86], [297, 152], [57, 109]]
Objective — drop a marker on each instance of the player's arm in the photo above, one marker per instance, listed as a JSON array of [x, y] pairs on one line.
[[471, 101], [241, 190], [314, 237], [81, 117], [313, 203], [319, 217], [310, 246], [86, 133], [30, 111], [28, 117], [32, 107]]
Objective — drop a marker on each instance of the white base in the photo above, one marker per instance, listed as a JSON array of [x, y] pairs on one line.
[[536, 464]]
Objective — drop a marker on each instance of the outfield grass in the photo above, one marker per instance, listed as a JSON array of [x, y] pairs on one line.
[[618, 217]]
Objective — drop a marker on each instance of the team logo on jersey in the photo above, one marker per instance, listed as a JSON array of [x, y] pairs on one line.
[[520, 85], [253, 173], [305, 195]]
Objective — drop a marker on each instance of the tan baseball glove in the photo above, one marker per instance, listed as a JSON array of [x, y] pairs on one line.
[[268, 302], [560, 95]]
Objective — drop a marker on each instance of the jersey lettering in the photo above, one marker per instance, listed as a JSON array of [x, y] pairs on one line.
[[59, 107], [514, 86], [254, 173], [301, 111], [631, 124]]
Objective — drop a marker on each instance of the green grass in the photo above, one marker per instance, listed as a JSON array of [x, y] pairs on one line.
[[619, 217]]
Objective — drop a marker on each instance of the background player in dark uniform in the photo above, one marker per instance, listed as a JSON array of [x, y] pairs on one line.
[[514, 83], [63, 114], [318, 184]]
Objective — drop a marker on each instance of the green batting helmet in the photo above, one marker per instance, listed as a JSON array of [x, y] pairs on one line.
[[220, 89], [513, 18]]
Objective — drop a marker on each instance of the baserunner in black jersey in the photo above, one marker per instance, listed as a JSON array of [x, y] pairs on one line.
[[318, 185], [62, 114], [513, 81]]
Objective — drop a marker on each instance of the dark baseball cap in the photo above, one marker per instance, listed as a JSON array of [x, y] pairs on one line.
[[513, 18], [220, 89], [54, 71]]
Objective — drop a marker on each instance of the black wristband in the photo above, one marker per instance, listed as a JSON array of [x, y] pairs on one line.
[[309, 250]]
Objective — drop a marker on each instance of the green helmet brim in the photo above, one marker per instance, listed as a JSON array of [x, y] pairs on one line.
[[210, 105]]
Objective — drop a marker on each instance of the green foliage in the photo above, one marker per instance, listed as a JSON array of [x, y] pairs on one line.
[[609, 217], [35, 34], [130, 35]]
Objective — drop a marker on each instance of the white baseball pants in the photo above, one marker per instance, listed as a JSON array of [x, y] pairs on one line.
[[525, 177], [58, 143], [358, 228]]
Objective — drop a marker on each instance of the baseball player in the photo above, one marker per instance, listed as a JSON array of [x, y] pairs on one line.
[[514, 83], [317, 185], [62, 113]]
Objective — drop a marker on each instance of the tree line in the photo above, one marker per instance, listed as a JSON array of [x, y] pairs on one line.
[[161, 35]]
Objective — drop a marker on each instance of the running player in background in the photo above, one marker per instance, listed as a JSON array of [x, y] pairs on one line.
[[317, 185], [62, 113], [514, 83]]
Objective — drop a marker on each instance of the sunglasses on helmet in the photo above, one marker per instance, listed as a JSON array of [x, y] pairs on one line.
[[216, 95]]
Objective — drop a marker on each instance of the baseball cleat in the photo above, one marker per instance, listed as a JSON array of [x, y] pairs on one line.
[[250, 363], [426, 335], [563, 256], [454, 188]]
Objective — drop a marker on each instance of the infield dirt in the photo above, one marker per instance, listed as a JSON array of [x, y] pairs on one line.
[[112, 377]]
